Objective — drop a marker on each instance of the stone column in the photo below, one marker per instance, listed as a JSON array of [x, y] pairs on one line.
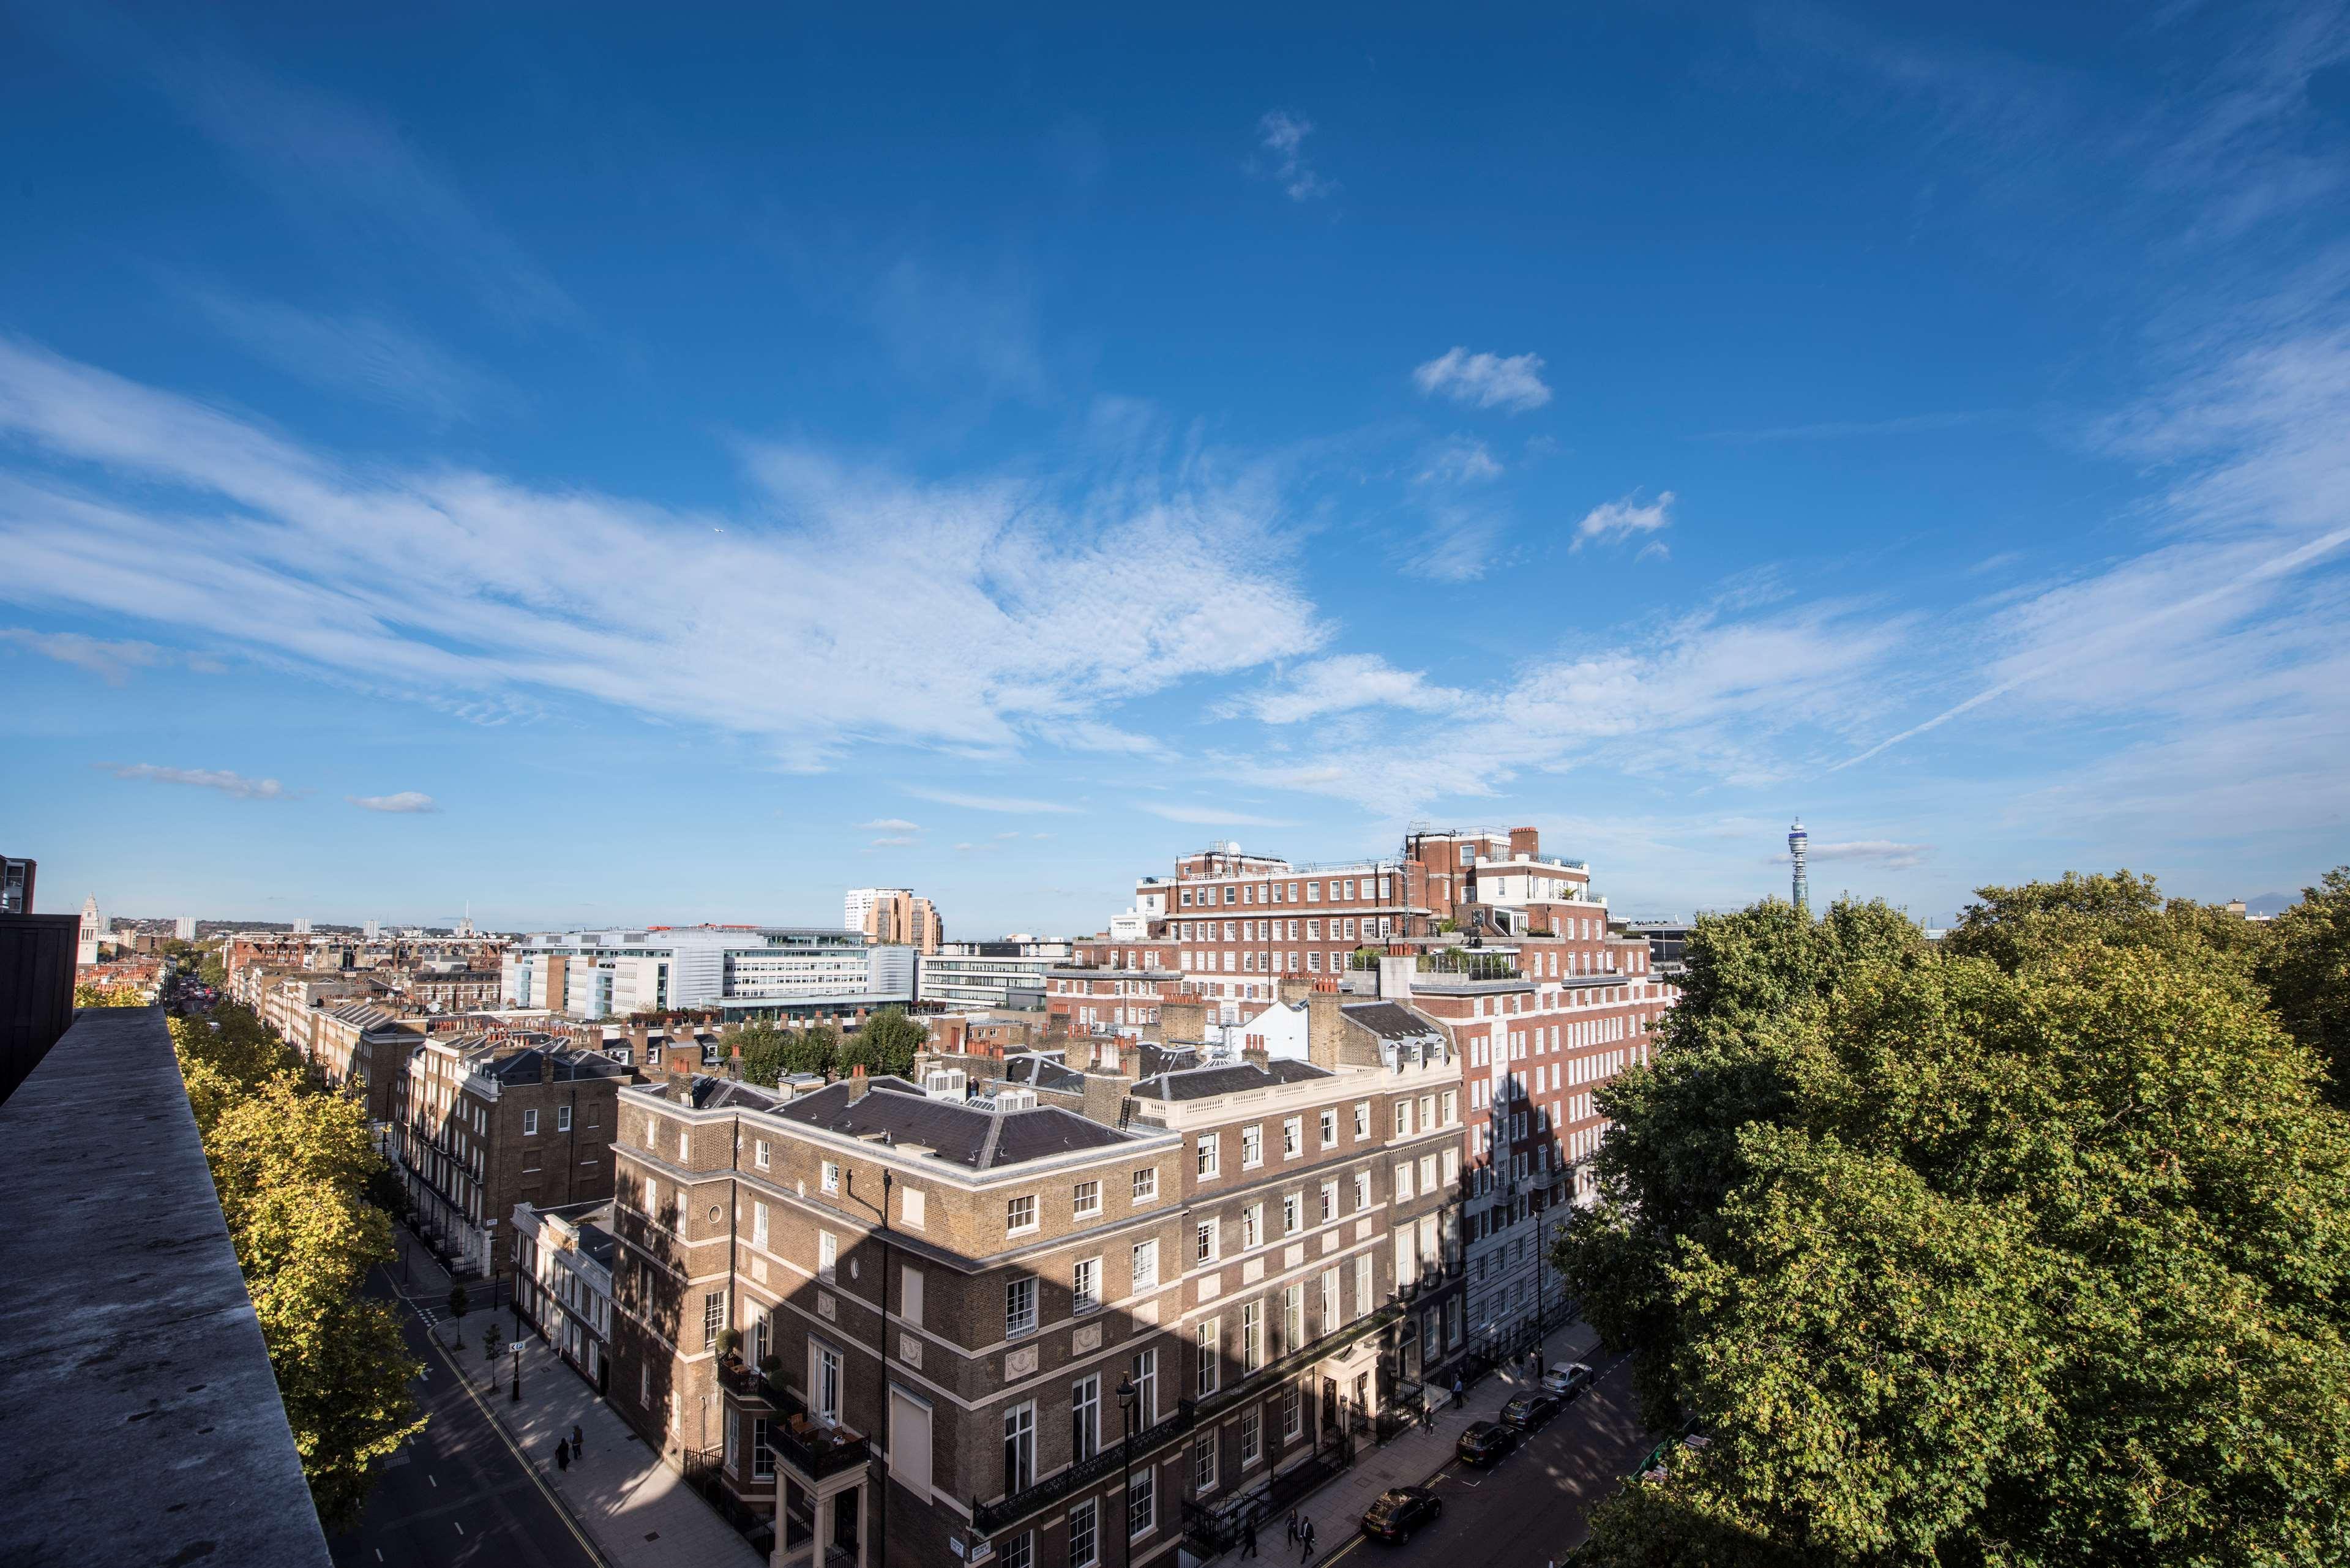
[[822, 1536], [864, 1522]]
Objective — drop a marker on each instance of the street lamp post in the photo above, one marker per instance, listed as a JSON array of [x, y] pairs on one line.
[[1128, 1396], [518, 1372]]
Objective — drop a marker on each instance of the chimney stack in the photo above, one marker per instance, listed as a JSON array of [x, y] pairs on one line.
[[857, 1082]]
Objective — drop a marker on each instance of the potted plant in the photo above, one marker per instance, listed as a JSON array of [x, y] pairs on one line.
[[771, 1367], [730, 1344]]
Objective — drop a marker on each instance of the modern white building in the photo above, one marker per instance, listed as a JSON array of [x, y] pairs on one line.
[[184, 927], [746, 972], [1008, 973]]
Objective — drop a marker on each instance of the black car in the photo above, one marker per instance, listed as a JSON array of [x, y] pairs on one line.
[[1400, 1510], [1527, 1411], [1487, 1443]]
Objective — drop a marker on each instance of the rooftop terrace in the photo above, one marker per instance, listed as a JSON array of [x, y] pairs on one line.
[[138, 1419]]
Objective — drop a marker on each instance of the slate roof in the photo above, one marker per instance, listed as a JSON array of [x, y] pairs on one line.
[[704, 1092], [966, 1135], [1041, 1072], [1391, 1021], [523, 1066], [1239, 1078]]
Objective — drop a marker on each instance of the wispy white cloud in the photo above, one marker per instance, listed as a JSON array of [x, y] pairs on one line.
[[895, 841], [1091, 735], [1463, 460], [1836, 429], [331, 162], [890, 824], [360, 354], [1011, 805], [1341, 683], [407, 803], [230, 784], [978, 332], [1213, 816], [1485, 380], [1627, 518], [1018, 601], [111, 661], [1282, 137], [1886, 853]]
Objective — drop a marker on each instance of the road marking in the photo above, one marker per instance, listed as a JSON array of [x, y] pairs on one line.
[[1357, 1541], [461, 1528], [434, 1480], [378, 1553], [528, 1468]]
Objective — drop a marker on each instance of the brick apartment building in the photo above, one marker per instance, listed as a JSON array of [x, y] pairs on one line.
[[969, 1294], [362, 1050], [482, 1125], [1508, 949], [448, 990]]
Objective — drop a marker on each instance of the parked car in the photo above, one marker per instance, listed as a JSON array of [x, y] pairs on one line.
[[1487, 1443], [1568, 1378], [1531, 1409], [1400, 1511]]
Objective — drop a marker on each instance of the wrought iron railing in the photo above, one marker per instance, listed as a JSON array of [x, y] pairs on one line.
[[991, 1517]]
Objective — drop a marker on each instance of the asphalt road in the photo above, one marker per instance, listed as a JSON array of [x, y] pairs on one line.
[[1529, 1510], [457, 1494]]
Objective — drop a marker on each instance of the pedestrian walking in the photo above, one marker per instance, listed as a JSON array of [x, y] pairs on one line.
[[1459, 1392], [562, 1455], [1248, 1537], [1292, 1527], [1309, 1538], [575, 1439], [1304, 1538]]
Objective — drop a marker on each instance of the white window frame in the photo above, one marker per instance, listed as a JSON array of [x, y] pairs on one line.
[[1079, 1207]]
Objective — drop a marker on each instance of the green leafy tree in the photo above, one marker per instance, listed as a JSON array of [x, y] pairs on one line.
[[87, 994], [812, 1049], [891, 1039], [1722, 1063], [213, 972], [762, 1046], [2036, 1251], [2305, 964]]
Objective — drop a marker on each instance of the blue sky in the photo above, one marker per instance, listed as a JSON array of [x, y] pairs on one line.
[[612, 474]]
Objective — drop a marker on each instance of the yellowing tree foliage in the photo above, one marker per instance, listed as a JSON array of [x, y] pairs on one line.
[[292, 1166]]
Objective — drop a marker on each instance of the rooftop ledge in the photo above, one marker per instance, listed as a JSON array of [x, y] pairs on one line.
[[132, 1350]]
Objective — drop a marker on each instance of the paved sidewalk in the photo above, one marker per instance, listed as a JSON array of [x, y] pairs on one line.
[[637, 1509], [1411, 1457]]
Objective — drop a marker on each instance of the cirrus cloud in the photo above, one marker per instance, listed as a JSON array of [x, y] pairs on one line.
[[220, 779]]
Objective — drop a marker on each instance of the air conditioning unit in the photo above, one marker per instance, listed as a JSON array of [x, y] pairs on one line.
[[945, 1084], [1015, 1099]]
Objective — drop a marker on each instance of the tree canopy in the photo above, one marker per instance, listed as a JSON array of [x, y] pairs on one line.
[[2035, 1249], [292, 1167], [2305, 964], [889, 1040]]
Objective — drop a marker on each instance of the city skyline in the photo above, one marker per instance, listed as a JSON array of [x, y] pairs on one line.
[[697, 481]]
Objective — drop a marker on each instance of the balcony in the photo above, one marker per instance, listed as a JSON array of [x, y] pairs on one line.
[[132, 1347], [809, 1447]]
